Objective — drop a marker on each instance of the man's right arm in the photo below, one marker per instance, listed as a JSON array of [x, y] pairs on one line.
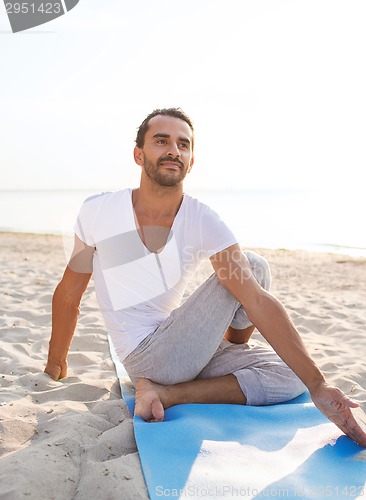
[[65, 308]]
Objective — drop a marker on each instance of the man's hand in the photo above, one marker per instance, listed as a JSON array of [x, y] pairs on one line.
[[56, 370], [337, 407]]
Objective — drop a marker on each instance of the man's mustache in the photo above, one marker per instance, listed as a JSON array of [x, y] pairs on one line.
[[171, 160]]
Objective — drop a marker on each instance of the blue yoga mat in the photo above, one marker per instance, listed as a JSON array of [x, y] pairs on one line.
[[232, 451]]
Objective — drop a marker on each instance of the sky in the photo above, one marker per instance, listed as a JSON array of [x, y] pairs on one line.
[[275, 88]]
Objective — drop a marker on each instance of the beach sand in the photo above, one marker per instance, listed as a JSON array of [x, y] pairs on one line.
[[74, 439]]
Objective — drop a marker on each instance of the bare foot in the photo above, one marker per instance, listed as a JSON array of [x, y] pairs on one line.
[[149, 400]]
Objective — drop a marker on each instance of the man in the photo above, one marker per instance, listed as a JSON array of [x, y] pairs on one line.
[[143, 245]]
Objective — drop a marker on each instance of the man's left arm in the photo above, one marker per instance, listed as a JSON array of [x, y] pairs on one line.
[[271, 319]]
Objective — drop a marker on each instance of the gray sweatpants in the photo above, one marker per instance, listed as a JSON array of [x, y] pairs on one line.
[[189, 345]]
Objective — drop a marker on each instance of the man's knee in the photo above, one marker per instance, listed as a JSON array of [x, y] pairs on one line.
[[260, 268]]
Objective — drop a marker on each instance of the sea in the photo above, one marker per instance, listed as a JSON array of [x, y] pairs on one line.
[[304, 219]]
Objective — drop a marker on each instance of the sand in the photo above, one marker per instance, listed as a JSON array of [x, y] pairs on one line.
[[74, 439]]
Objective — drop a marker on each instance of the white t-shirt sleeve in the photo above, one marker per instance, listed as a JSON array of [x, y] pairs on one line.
[[85, 221], [215, 234]]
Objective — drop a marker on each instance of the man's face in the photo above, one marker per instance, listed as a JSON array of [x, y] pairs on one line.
[[167, 155]]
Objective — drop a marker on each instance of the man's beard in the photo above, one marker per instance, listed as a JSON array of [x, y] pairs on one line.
[[165, 178]]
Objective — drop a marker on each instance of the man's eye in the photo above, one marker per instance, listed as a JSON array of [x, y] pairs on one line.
[[161, 141], [183, 145]]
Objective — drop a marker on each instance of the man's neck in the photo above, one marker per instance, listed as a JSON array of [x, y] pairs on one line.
[[157, 203]]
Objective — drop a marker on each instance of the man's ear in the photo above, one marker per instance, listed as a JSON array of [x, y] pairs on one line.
[[138, 156]]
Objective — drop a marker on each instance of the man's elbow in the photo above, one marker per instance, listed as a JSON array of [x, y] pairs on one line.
[[263, 305]]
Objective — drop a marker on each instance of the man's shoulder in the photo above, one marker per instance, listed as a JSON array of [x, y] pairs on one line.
[[107, 196], [102, 215], [198, 206], [193, 202]]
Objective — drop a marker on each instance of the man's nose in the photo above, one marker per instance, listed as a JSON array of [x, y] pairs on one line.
[[173, 149]]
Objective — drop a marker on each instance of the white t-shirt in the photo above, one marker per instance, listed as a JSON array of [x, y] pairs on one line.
[[137, 289]]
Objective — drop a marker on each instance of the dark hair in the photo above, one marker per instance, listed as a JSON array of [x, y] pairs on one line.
[[174, 112]]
